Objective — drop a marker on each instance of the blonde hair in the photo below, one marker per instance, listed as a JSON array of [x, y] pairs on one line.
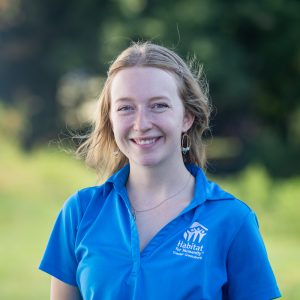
[[99, 149]]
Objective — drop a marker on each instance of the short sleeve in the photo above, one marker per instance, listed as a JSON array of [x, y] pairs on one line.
[[250, 275], [59, 258]]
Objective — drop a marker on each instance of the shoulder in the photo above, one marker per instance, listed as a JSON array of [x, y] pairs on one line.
[[216, 195], [215, 201], [228, 218], [82, 199], [230, 211], [90, 200]]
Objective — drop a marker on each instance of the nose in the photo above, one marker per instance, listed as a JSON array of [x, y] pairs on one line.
[[142, 121]]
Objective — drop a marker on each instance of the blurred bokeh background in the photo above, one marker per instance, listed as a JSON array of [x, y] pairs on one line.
[[53, 59]]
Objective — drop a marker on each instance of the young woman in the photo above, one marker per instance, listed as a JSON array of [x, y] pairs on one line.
[[157, 228]]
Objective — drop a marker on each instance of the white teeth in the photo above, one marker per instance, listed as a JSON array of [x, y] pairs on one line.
[[145, 142]]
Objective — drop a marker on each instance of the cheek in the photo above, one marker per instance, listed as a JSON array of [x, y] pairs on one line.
[[119, 128], [114, 122]]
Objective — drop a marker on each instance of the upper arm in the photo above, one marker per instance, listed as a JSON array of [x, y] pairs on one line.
[[250, 275], [59, 259], [63, 291]]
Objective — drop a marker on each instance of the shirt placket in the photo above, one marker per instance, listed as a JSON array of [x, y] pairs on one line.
[[134, 240]]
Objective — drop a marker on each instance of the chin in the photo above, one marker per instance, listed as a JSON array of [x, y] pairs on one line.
[[149, 162]]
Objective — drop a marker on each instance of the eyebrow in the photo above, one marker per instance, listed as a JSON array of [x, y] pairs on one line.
[[123, 99]]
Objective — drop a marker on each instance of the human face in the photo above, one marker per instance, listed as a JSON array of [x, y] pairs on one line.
[[148, 116]]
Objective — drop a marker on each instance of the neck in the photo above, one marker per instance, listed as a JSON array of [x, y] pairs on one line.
[[154, 183]]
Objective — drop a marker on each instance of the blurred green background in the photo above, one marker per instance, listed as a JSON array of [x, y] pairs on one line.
[[53, 60]]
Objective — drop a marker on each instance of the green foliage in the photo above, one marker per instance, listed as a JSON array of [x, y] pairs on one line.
[[250, 51], [276, 200], [34, 186]]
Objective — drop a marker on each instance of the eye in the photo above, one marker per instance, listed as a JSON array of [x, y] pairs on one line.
[[160, 107], [125, 108]]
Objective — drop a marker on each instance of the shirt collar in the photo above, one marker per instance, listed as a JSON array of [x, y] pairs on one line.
[[119, 178], [207, 189], [204, 188]]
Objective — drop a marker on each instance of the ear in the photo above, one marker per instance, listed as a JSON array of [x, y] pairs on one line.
[[188, 121]]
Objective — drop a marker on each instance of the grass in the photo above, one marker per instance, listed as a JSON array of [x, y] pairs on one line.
[[34, 186], [32, 190]]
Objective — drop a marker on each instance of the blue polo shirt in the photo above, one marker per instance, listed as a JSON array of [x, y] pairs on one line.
[[212, 250]]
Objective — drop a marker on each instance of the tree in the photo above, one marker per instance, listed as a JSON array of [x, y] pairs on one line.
[[250, 51]]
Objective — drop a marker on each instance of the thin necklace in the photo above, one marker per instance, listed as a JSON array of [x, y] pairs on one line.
[[134, 211]]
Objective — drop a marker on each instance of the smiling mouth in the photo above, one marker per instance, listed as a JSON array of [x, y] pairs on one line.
[[145, 141]]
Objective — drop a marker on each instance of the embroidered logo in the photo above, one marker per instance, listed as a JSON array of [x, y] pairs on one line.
[[191, 245]]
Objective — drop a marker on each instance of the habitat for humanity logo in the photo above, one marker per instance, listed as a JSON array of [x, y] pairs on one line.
[[190, 245]]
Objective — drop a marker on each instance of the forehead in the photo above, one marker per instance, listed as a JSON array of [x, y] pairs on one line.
[[143, 81]]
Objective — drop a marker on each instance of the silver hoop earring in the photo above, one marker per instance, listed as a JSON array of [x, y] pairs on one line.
[[185, 143]]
